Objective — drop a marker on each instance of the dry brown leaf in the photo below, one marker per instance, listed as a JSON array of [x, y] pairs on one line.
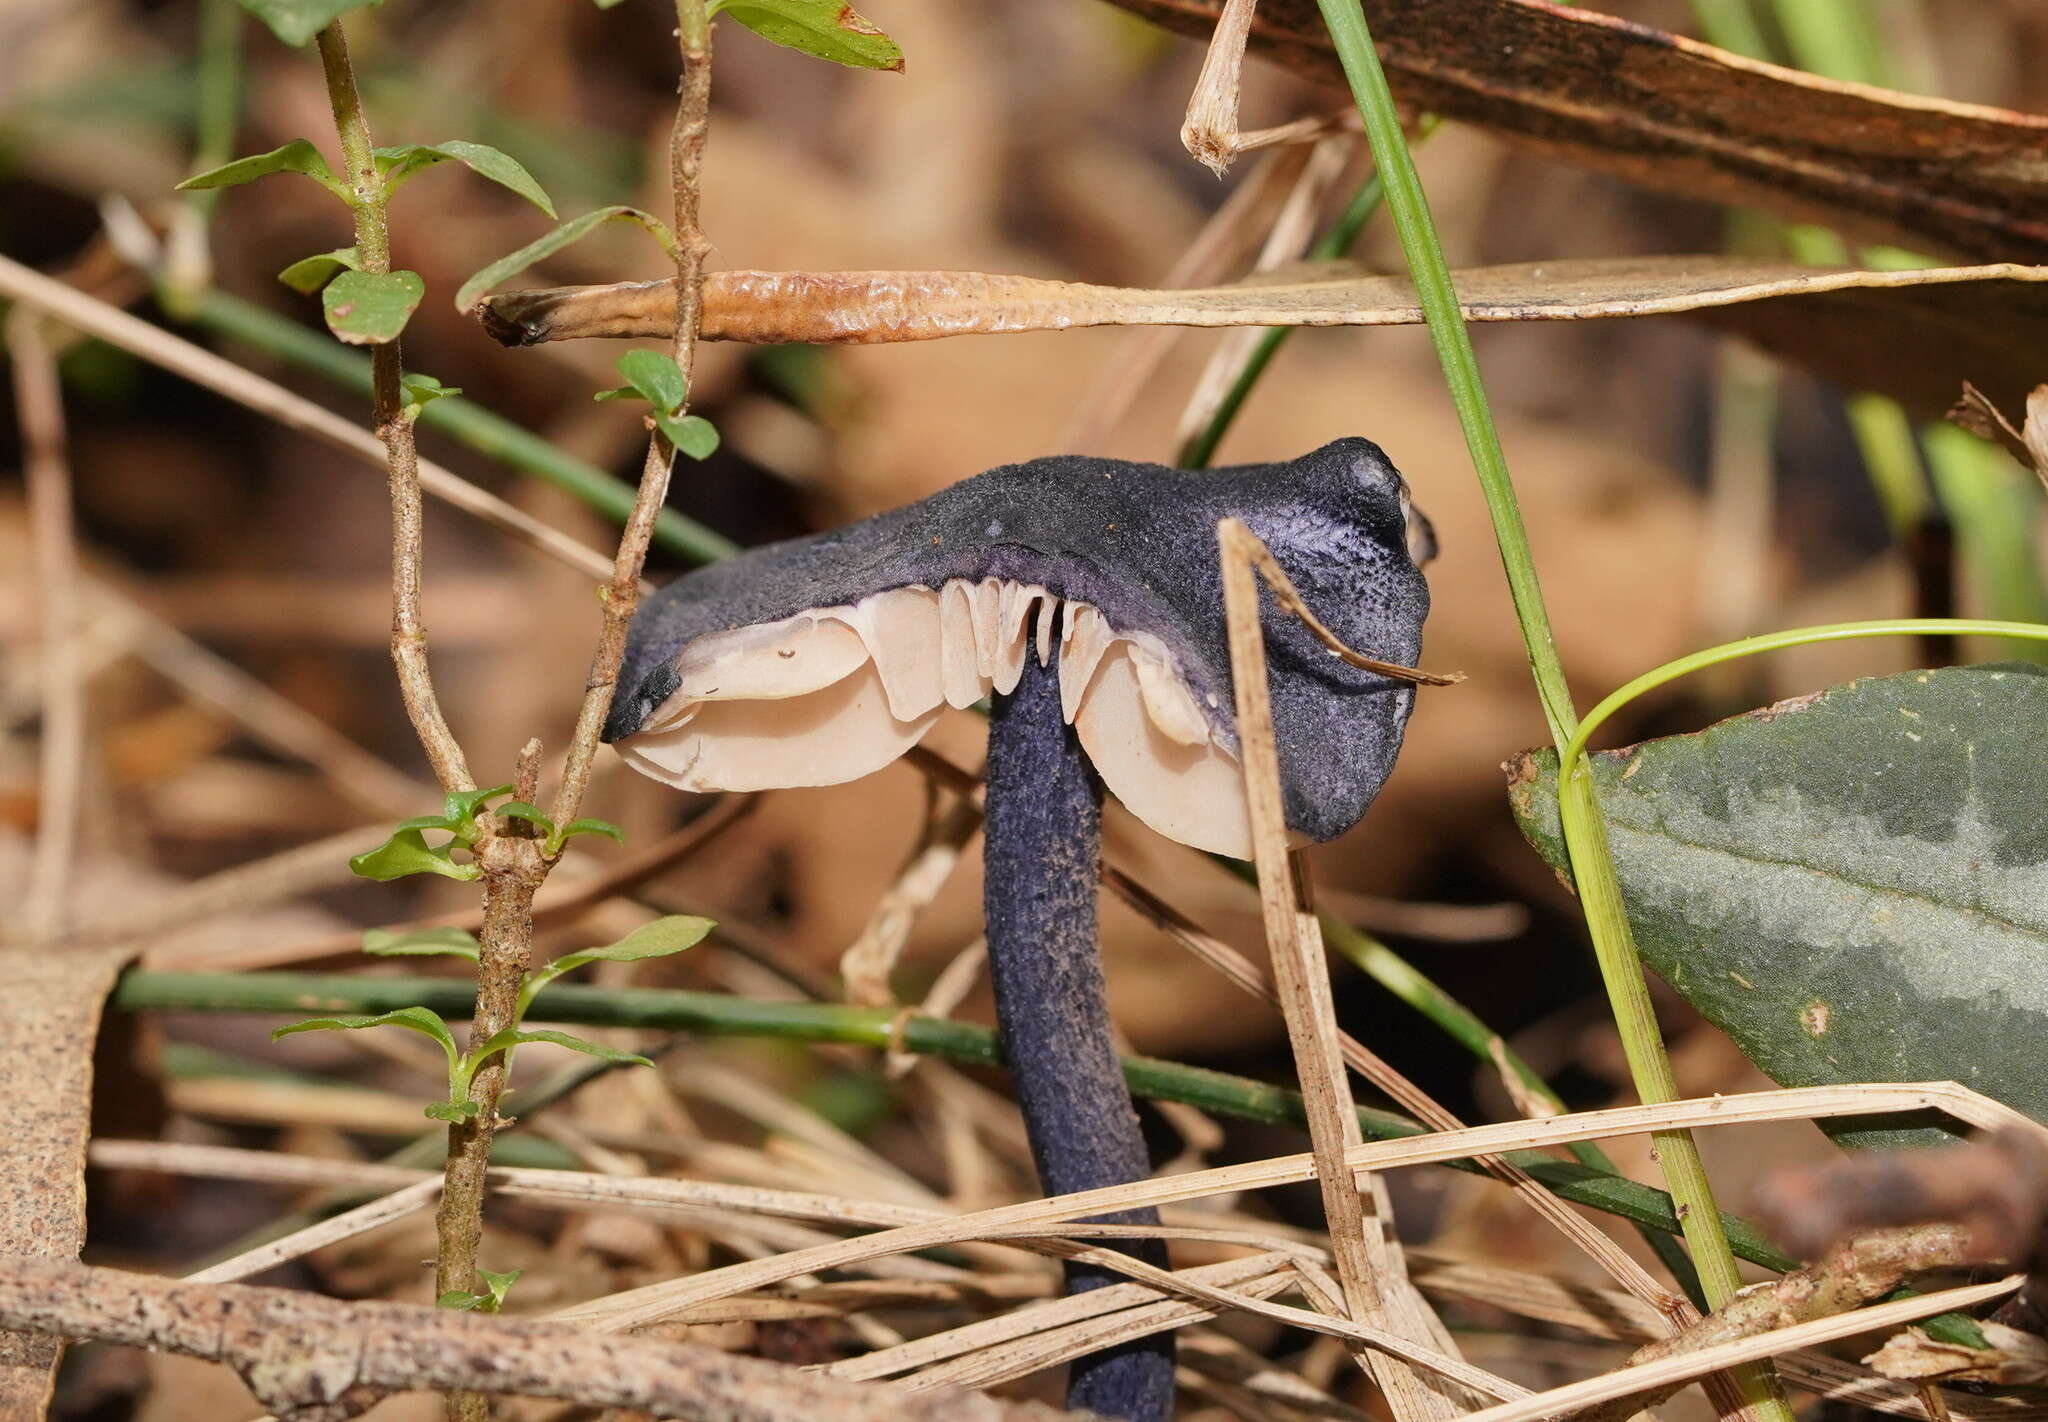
[[1683, 117], [2014, 1359], [1915, 335], [49, 1019]]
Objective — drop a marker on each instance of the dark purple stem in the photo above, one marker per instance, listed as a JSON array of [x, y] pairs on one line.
[[1044, 849]]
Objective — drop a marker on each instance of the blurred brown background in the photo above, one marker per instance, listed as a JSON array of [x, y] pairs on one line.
[[1024, 137]]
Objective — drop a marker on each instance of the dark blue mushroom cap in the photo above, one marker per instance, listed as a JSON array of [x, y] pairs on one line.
[[1136, 542]]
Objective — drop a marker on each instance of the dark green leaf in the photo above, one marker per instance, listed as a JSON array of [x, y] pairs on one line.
[[308, 274], [1848, 884], [371, 308], [297, 21], [657, 377], [406, 852], [826, 29], [298, 156], [690, 434], [453, 1111], [550, 243], [423, 1020], [399, 165], [421, 942], [520, 810], [659, 939], [584, 826]]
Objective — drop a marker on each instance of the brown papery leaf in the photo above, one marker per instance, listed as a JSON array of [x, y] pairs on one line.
[[1915, 335], [1683, 117], [49, 1019]]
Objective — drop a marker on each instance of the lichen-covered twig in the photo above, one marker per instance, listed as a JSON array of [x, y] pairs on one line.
[[1850, 1275], [314, 1359]]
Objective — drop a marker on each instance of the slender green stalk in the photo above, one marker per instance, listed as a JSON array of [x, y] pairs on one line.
[[460, 419], [1201, 447], [188, 258], [1627, 991], [1575, 750], [715, 1014], [1432, 276]]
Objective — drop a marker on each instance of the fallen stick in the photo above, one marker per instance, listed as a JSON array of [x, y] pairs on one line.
[[314, 1359]]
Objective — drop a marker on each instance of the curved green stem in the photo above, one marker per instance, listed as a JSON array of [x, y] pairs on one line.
[[1585, 835]]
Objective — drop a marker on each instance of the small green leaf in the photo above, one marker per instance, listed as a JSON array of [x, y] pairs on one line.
[[462, 805], [512, 1037], [452, 1111], [371, 308], [500, 1285], [619, 392], [659, 939], [608, 4], [297, 21], [407, 852], [420, 391], [548, 244], [308, 274], [520, 810], [657, 377], [399, 165], [690, 434], [423, 1020], [584, 826], [433, 822], [298, 156], [825, 29], [421, 943]]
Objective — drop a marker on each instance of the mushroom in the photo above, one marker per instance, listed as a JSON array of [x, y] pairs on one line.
[[1083, 598]]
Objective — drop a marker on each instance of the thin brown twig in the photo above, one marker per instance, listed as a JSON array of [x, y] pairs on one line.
[[39, 405], [1301, 981], [84, 312], [387, 367], [1209, 132], [1284, 593], [375, 1214], [622, 599]]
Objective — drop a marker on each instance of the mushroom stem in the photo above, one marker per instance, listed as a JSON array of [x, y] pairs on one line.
[[1043, 867]]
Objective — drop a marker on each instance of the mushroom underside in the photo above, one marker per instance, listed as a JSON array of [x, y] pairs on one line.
[[835, 693]]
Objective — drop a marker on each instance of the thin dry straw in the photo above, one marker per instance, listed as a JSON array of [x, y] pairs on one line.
[[655, 1302], [1628, 1382]]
